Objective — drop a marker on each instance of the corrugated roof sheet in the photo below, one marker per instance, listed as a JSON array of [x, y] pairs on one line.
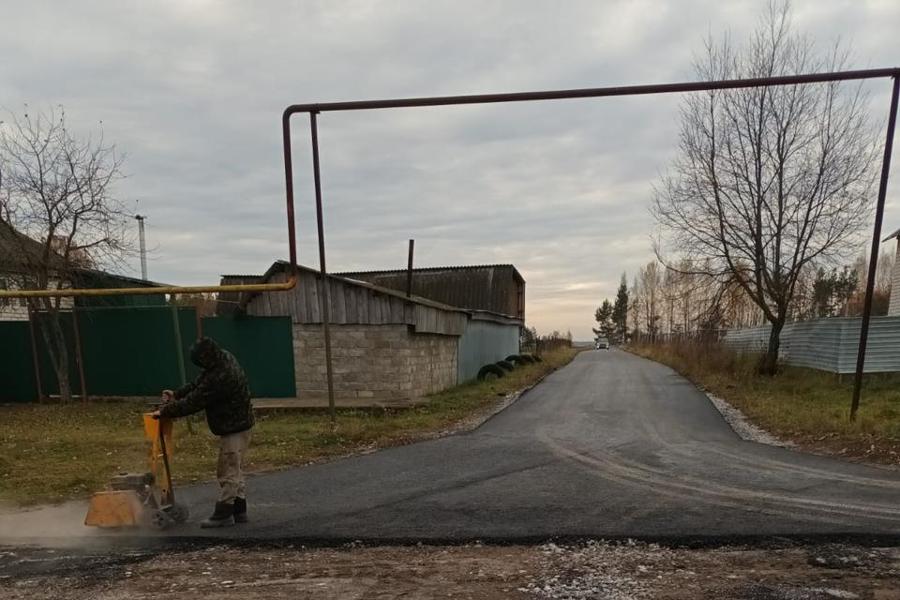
[[498, 288], [434, 269]]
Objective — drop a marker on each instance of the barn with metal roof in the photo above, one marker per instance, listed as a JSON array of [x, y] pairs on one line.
[[388, 348]]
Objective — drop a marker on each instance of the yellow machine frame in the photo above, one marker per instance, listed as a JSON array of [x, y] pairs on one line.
[[141, 499]]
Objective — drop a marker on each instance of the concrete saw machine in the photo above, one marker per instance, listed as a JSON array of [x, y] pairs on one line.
[[141, 499]]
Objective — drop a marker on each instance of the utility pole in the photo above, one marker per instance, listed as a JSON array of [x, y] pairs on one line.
[[140, 220], [409, 268]]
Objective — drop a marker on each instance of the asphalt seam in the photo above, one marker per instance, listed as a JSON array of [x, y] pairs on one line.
[[621, 473]]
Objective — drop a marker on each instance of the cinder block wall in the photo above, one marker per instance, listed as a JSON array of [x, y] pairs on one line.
[[373, 364]]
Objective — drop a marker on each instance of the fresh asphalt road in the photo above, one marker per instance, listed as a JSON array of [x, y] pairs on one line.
[[610, 446]]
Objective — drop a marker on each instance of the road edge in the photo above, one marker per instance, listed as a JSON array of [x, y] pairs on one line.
[[741, 425], [464, 426]]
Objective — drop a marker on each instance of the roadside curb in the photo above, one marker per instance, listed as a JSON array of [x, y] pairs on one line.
[[741, 425]]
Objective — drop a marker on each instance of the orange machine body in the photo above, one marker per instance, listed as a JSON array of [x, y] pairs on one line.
[[140, 499]]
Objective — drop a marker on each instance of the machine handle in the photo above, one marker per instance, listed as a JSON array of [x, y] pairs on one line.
[[165, 457]]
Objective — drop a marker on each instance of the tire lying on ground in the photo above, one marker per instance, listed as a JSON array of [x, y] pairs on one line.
[[490, 372], [505, 364], [515, 359], [524, 359]]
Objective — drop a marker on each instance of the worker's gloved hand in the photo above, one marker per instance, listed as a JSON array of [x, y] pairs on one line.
[[155, 414]]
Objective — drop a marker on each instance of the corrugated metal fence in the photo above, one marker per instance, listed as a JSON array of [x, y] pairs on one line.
[[485, 341], [130, 351], [828, 344]]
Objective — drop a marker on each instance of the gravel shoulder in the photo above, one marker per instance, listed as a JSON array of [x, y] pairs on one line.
[[742, 425], [620, 571]]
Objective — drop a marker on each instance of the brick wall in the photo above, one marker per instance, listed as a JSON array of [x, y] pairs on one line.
[[373, 364]]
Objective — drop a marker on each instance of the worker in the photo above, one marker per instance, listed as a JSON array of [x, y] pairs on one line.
[[221, 389]]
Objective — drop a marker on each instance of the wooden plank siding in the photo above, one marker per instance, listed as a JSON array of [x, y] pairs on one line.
[[353, 303], [495, 288]]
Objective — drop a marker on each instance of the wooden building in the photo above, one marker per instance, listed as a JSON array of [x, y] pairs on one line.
[[387, 348], [498, 289]]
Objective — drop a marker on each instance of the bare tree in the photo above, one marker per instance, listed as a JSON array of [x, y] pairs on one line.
[[649, 285], [768, 180], [57, 208]]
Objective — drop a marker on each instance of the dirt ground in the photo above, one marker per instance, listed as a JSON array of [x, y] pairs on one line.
[[595, 570]]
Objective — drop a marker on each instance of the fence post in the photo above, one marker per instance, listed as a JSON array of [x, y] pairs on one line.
[[79, 355], [34, 355], [179, 353]]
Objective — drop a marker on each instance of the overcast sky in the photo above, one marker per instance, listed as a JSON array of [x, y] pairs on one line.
[[192, 91]]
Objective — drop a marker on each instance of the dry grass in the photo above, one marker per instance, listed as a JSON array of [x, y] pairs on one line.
[[50, 453], [809, 407]]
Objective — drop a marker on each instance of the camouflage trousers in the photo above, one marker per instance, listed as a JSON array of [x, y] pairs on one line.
[[230, 468]]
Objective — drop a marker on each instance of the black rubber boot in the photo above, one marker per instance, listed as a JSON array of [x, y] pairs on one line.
[[240, 510], [222, 517]]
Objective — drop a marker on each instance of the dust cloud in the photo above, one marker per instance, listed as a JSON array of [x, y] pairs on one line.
[[60, 523]]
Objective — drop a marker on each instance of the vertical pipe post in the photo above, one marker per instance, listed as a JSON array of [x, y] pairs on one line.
[[199, 319], [289, 189], [409, 268], [179, 350], [873, 257], [143, 245], [325, 296], [79, 354], [34, 355], [179, 354]]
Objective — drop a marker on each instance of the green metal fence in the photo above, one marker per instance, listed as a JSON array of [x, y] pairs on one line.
[[17, 381], [131, 351], [265, 348]]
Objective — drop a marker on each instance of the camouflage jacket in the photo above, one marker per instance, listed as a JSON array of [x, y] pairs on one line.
[[221, 389]]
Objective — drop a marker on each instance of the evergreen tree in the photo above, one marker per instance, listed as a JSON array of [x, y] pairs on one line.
[[832, 290], [603, 316], [620, 312]]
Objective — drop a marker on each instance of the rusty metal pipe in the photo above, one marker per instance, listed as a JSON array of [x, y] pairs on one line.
[[876, 246], [409, 268], [626, 90], [325, 296], [198, 289], [631, 90], [289, 193]]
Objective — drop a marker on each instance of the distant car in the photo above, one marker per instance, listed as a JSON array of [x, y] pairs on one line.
[[602, 344]]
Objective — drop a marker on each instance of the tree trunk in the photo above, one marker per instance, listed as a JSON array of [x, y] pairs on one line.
[[62, 376], [768, 364], [55, 340]]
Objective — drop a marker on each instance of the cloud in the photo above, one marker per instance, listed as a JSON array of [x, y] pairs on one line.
[[193, 93]]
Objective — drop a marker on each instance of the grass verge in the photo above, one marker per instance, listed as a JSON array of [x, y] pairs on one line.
[[54, 452], [809, 407]]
